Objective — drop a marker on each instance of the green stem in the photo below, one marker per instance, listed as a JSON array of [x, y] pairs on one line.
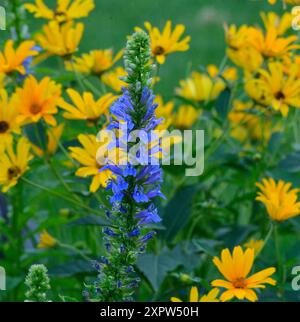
[[62, 181], [279, 261], [17, 20], [75, 250], [78, 78], [61, 196], [268, 236]]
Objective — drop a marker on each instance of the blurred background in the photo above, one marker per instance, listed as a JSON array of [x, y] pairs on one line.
[[113, 20]]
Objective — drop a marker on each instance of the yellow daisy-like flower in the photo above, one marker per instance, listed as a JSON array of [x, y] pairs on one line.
[[285, 1], [9, 112], [65, 10], [168, 41], [212, 296], [257, 245], [46, 241], [239, 51], [53, 135], [164, 111], [112, 79], [85, 107], [2, 80], [246, 124], [38, 100], [270, 44], [200, 88], [12, 59], [279, 199], [87, 157], [273, 20], [13, 164], [230, 73], [95, 62], [61, 40], [276, 88], [186, 116], [236, 268]]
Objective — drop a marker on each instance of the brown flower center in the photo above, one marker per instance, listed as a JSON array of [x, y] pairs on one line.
[[35, 108], [159, 50], [279, 95], [4, 126], [239, 283], [13, 172]]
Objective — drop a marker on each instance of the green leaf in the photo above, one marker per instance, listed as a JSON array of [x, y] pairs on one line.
[[177, 211], [291, 163], [235, 235], [222, 103], [90, 220], [207, 246], [71, 268], [36, 134], [156, 267]]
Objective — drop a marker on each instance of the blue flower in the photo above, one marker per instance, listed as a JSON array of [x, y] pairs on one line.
[[139, 196], [148, 216]]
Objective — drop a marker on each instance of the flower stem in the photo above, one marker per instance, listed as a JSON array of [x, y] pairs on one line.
[[269, 234], [75, 250], [279, 261], [61, 196]]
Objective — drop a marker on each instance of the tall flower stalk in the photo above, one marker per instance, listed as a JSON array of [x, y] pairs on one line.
[[135, 184]]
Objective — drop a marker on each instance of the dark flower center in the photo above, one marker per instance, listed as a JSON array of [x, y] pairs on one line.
[[35, 108], [13, 172], [239, 283], [279, 95], [4, 126], [159, 50]]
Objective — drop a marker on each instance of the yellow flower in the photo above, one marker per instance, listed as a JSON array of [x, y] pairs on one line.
[[164, 111], [271, 44], [53, 135], [186, 116], [13, 164], [2, 80], [257, 245], [112, 79], [275, 88], [200, 87], [247, 124], [95, 62], [38, 100], [85, 107], [61, 40], [236, 268], [12, 59], [8, 116], [168, 41], [230, 73], [87, 157], [239, 50], [65, 10], [272, 20], [46, 240], [285, 1], [281, 202], [212, 296]]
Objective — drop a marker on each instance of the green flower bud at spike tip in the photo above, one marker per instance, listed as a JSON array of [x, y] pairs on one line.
[[38, 284], [137, 59]]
